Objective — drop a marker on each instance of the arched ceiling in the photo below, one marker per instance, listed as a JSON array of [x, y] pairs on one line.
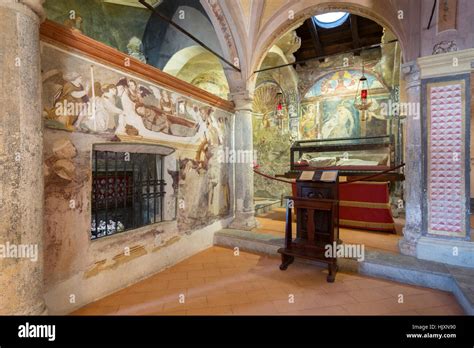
[[201, 68], [258, 24]]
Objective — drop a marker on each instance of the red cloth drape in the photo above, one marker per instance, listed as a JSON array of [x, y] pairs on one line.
[[364, 205]]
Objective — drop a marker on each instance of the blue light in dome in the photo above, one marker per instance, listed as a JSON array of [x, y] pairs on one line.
[[331, 20]]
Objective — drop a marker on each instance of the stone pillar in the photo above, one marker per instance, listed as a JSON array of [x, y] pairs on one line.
[[244, 205], [413, 187], [447, 237], [21, 159]]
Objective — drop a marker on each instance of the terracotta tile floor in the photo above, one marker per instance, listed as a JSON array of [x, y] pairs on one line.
[[216, 282], [273, 223]]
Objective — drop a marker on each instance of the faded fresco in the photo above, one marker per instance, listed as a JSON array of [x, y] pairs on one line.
[[130, 27], [89, 99], [272, 145], [109, 21], [328, 110], [271, 141], [85, 102]]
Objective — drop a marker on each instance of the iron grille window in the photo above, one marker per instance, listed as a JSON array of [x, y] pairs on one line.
[[127, 191]]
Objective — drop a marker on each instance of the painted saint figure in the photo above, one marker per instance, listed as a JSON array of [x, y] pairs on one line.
[[106, 111], [166, 103], [135, 49], [71, 101], [340, 125], [308, 125], [153, 118]]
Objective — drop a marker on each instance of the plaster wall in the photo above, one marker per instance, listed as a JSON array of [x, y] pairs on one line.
[[79, 270], [462, 36]]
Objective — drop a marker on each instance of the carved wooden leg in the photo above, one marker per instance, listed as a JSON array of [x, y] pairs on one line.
[[286, 260], [332, 268]]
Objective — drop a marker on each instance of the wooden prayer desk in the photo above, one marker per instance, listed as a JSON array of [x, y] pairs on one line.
[[316, 222]]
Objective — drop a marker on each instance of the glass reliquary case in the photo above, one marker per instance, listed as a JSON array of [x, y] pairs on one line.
[[350, 156]]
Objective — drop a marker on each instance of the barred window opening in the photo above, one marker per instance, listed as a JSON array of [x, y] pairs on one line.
[[127, 191]]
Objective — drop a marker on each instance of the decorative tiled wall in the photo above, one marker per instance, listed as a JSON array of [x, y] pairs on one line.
[[446, 158]]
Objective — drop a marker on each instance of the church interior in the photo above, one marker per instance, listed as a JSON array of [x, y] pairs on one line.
[[236, 157]]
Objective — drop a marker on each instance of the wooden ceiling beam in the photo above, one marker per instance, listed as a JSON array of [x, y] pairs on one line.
[[355, 31], [315, 35]]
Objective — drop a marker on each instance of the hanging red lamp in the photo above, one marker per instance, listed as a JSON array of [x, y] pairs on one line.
[[361, 101]]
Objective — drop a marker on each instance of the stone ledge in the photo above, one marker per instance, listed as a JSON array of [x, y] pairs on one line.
[[248, 241], [380, 264], [410, 270], [442, 64], [431, 248], [268, 245]]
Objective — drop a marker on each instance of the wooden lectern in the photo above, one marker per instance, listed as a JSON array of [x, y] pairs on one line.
[[317, 206]]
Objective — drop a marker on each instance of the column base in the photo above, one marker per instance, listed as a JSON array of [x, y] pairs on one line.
[[244, 221], [407, 246], [451, 252]]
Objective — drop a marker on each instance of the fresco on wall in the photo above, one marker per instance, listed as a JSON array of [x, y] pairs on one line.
[[338, 118], [309, 125], [129, 27], [114, 24], [377, 123], [328, 109], [342, 83], [271, 140], [273, 148], [88, 101]]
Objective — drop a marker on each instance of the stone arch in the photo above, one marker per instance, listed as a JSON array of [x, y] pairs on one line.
[[293, 14], [161, 40], [279, 56], [201, 68], [181, 58], [232, 47], [384, 12], [205, 17]]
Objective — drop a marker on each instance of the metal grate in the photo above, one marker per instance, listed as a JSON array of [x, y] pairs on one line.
[[127, 191]]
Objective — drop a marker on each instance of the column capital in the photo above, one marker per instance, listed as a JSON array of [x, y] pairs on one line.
[[411, 73], [36, 6], [243, 100]]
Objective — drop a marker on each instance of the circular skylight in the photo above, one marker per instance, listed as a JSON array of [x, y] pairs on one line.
[[331, 19]]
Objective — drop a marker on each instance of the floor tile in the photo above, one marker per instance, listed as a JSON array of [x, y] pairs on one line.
[[214, 282]]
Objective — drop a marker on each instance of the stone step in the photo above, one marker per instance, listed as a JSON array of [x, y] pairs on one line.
[[263, 206]]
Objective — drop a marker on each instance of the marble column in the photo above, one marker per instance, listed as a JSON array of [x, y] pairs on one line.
[[243, 134], [413, 186], [21, 159]]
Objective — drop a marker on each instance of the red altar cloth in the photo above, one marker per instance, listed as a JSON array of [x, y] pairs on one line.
[[364, 205]]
